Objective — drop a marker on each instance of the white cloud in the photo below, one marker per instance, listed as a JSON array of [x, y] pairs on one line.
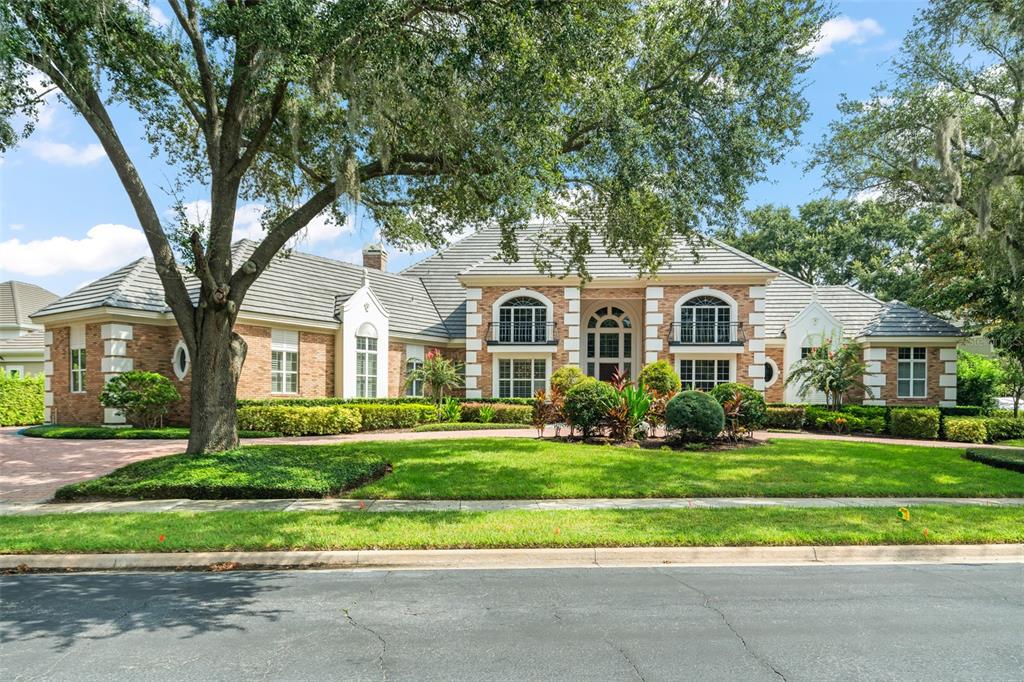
[[248, 225], [156, 15], [49, 106], [844, 30], [66, 154], [16, 227], [103, 248]]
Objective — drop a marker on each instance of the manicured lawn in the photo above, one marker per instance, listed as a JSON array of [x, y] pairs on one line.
[[252, 531], [998, 457], [251, 471], [1018, 442], [468, 426], [98, 432], [515, 468]]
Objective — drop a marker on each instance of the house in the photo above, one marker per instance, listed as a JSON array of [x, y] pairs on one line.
[[21, 340], [319, 327]]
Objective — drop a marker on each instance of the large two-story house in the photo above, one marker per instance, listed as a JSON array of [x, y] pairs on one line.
[[320, 327]]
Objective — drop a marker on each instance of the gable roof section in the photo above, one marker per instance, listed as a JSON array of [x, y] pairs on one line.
[[786, 296], [896, 318], [19, 300], [30, 343]]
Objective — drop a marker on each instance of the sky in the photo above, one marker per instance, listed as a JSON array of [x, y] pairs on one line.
[[65, 219]]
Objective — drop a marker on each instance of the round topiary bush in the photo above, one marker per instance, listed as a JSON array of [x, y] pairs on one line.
[[659, 378], [695, 415], [587, 403], [744, 407], [142, 397], [565, 377]]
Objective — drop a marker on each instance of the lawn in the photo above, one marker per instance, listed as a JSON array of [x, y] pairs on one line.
[[526, 468], [1019, 442], [99, 432], [252, 471], [251, 531]]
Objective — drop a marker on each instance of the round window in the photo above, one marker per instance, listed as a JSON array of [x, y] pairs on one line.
[[179, 361], [771, 372]]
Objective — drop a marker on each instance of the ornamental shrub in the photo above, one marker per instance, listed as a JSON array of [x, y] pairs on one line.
[[977, 379], [659, 378], [966, 430], [587, 403], [839, 422], [695, 416], [500, 413], [299, 421], [910, 422], [142, 397], [1004, 458], [788, 417], [449, 410], [1003, 428], [21, 400], [401, 416], [565, 377], [748, 413]]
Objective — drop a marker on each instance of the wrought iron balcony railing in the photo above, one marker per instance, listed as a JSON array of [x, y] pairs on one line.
[[522, 333], [707, 334]]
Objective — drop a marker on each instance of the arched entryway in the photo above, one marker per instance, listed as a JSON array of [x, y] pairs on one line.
[[610, 340]]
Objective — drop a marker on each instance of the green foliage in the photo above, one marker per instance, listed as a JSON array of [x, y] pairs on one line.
[[21, 400], [833, 372], [499, 413], [966, 429], [744, 407], [565, 377], [299, 421], [486, 414], [695, 416], [1013, 379], [142, 397], [587, 404], [103, 432], [403, 400], [438, 374], [1004, 428], [1002, 458], [659, 378], [377, 416], [788, 417], [449, 410], [978, 379], [626, 417], [906, 422], [250, 472], [466, 426]]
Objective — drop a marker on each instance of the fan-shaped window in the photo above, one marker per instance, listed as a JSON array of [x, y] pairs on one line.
[[522, 319], [706, 319], [610, 344]]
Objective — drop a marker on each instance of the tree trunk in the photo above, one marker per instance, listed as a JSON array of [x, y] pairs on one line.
[[216, 366]]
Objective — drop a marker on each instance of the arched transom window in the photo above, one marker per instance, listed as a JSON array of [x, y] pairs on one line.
[[609, 343], [522, 319], [705, 319]]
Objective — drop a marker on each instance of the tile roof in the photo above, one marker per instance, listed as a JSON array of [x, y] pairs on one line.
[[32, 342], [19, 300], [896, 318], [786, 296]]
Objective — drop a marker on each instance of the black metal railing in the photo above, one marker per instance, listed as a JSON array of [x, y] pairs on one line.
[[707, 334], [531, 333]]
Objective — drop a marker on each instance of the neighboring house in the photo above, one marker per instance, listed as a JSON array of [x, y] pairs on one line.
[[319, 327], [21, 340]]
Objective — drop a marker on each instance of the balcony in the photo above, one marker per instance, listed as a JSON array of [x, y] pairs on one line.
[[707, 334], [521, 334]]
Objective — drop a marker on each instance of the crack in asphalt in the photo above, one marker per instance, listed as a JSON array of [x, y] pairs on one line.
[[383, 643], [632, 663], [721, 614]]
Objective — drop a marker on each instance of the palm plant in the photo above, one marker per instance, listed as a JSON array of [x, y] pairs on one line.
[[833, 372], [438, 374]]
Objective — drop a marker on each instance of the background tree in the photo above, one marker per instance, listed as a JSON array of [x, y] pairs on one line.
[[645, 120], [978, 379], [1013, 380]]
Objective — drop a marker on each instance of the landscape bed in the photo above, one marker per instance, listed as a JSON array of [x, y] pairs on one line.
[[104, 432], [260, 531]]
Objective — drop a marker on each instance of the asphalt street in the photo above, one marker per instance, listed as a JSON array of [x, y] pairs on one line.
[[900, 622]]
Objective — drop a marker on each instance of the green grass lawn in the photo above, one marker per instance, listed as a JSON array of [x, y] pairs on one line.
[[252, 471], [526, 468], [250, 531], [1018, 442], [98, 432], [998, 457]]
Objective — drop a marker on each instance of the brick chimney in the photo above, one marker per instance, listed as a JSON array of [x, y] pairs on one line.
[[374, 256]]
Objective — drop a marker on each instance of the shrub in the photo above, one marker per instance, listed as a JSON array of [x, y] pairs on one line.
[[839, 422], [587, 403], [501, 414], [565, 377], [21, 400], [747, 406], [977, 379], [403, 416], [1004, 458], [966, 430], [464, 426], [1003, 428], [912, 422], [659, 378], [695, 415], [964, 411], [449, 410], [788, 417], [142, 397], [299, 421], [485, 414], [626, 417], [865, 412], [403, 400], [875, 425]]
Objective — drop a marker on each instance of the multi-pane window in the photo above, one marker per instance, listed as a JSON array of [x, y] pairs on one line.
[[703, 375], [284, 361], [415, 387], [366, 367], [522, 320], [77, 370], [609, 343], [705, 319], [911, 372], [521, 377]]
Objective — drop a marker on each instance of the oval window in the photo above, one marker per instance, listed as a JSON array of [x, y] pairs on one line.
[[180, 361]]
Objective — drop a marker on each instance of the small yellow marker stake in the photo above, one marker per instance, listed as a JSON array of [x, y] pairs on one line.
[[904, 513]]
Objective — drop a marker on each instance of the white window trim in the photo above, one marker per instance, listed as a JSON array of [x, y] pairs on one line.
[[912, 378], [731, 361], [544, 301], [495, 357], [286, 347], [734, 308], [775, 371], [178, 372], [410, 388], [362, 378], [81, 372], [20, 369], [636, 332]]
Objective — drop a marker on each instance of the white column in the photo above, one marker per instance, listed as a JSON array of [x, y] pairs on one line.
[[474, 342], [755, 342], [874, 377], [115, 361], [947, 380], [48, 377], [571, 320], [653, 319]]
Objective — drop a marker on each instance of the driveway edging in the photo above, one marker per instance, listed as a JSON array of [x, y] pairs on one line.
[[591, 557]]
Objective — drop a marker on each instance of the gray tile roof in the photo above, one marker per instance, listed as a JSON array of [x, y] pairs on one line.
[[32, 342], [786, 296], [18, 300], [896, 318]]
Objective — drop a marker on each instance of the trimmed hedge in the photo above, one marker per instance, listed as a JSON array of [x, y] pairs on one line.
[[503, 414], [752, 407], [914, 422], [377, 416], [466, 426], [1002, 458], [695, 415], [404, 400], [76, 432], [21, 400], [966, 430], [784, 417], [1004, 428], [299, 421]]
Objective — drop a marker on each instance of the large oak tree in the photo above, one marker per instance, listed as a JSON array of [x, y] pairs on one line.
[[646, 119]]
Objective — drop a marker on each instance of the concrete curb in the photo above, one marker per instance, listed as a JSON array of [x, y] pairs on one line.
[[525, 558]]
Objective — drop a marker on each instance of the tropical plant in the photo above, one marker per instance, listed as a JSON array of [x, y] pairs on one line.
[[695, 416], [626, 418], [744, 407], [486, 414], [833, 372], [449, 410], [438, 374], [142, 397], [587, 404]]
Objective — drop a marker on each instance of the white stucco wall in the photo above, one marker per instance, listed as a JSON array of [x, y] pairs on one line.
[[360, 309]]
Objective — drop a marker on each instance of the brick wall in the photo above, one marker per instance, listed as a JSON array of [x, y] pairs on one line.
[[316, 364], [776, 392], [151, 350], [76, 408], [935, 391]]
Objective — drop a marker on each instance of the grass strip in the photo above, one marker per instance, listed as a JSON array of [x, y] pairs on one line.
[[105, 432], [252, 531], [996, 457]]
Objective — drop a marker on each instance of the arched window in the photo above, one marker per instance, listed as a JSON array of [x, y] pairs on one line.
[[414, 388], [522, 319], [366, 361], [706, 319], [609, 343]]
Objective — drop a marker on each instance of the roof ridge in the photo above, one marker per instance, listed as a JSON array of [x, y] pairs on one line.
[[439, 253], [436, 310], [14, 301], [335, 261]]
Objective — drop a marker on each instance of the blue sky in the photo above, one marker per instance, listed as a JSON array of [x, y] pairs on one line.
[[65, 220]]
